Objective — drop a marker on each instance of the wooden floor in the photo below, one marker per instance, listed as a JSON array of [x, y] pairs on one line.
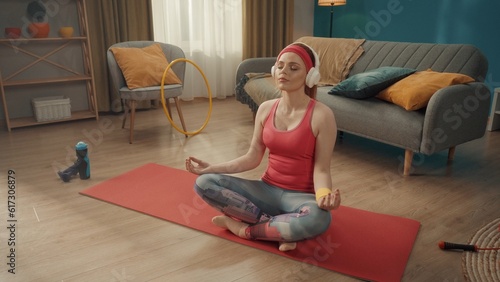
[[63, 236]]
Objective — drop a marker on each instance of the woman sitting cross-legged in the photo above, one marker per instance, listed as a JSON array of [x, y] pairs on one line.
[[293, 199]]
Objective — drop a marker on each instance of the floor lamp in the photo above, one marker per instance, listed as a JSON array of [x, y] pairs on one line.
[[331, 3]]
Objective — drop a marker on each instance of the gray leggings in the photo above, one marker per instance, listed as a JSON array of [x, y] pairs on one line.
[[274, 214]]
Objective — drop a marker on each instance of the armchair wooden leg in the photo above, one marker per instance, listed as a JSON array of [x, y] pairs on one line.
[[133, 104], [181, 117], [408, 161], [169, 110], [126, 112]]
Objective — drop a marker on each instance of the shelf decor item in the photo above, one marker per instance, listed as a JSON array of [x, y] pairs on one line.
[[12, 32], [39, 30], [51, 108], [66, 31], [39, 26]]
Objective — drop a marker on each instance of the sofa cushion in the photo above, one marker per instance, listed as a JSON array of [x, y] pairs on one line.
[[415, 91], [143, 67], [370, 83]]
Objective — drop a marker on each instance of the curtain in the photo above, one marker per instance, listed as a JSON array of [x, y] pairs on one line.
[[113, 21], [209, 32], [267, 27]]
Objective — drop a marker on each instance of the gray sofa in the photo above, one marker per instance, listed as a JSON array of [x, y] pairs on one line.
[[454, 115]]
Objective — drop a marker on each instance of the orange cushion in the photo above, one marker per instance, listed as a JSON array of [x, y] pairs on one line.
[[143, 67], [415, 91]]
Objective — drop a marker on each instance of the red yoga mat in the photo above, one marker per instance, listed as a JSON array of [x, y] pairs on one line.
[[358, 243]]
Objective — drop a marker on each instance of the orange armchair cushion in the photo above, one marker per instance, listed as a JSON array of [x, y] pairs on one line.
[[143, 67]]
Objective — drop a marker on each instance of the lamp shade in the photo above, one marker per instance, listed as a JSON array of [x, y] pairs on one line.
[[331, 2]]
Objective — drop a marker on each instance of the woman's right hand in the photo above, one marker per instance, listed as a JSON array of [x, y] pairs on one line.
[[330, 201], [196, 166]]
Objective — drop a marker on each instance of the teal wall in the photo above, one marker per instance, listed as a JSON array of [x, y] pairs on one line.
[[474, 22]]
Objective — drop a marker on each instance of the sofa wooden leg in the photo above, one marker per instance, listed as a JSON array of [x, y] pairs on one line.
[[408, 161], [451, 153]]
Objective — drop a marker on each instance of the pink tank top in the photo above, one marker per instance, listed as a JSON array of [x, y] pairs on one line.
[[291, 153]]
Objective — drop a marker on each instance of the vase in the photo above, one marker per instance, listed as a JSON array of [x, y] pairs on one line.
[[12, 32], [66, 31], [39, 30]]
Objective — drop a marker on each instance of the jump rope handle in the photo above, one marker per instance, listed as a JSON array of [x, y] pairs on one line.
[[452, 246]]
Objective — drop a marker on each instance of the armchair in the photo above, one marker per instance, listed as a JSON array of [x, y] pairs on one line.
[[131, 96]]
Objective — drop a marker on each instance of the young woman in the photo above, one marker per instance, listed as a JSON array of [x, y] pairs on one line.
[[293, 199]]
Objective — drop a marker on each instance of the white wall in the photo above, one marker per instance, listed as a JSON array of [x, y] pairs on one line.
[[303, 18]]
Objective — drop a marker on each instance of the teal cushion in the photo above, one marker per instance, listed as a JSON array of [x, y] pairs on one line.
[[370, 83]]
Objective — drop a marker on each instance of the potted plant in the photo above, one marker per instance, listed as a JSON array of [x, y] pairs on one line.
[[39, 26]]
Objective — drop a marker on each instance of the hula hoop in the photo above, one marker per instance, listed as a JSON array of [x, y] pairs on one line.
[[163, 101]]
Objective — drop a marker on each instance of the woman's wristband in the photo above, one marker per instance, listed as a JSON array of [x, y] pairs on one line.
[[321, 192]]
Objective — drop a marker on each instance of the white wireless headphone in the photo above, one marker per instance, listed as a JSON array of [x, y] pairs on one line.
[[313, 76]]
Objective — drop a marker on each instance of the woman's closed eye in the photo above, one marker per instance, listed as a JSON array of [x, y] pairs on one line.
[[290, 67]]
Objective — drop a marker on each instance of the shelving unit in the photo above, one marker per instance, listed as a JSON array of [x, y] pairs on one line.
[[494, 120], [72, 75]]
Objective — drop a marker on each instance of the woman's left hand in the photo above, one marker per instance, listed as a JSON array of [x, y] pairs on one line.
[[330, 201]]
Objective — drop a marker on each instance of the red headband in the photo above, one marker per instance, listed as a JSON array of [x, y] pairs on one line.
[[299, 51]]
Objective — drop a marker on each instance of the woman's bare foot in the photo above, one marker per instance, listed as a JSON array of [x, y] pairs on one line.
[[236, 227], [287, 246]]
